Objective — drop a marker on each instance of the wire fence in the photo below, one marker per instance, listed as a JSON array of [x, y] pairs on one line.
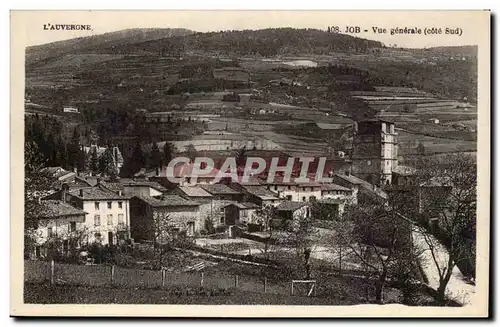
[[111, 275]]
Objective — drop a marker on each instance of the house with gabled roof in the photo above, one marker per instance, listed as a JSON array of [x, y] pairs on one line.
[[258, 194], [56, 219], [107, 216], [174, 212], [239, 213], [292, 210]]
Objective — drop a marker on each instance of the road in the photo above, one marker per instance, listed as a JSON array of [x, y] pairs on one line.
[[458, 288]]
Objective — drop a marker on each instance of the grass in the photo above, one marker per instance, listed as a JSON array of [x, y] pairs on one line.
[[68, 294]]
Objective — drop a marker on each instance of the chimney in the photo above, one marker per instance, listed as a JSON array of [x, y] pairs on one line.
[[64, 191], [81, 192]]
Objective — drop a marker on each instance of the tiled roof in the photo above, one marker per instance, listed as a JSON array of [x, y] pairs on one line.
[[333, 187], [57, 208], [350, 178], [194, 191], [96, 193], [260, 191], [186, 170], [151, 184], [244, 205], [90, 180], [290, 205], [112, 186], [167, 201], [216, 189]]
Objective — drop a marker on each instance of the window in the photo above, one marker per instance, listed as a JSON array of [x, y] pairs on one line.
[[109, 205], [289, 197], [222, 220], [312, 198], [110, 219], [275, 187], [96, 205], [289, 187], [384, 130], [369, 162], [392, 129], [49, 232], [72, 227], [303, 199], [120, 219], [97, 220], [120, 205], [303, 189]]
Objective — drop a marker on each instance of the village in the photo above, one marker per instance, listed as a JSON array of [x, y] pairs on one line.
[[270, 166], [255, 215]]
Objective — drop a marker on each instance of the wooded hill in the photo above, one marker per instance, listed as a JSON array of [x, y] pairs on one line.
[[266, 42]]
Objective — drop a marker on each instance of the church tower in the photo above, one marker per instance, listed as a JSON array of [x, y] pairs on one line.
[[374, 151]]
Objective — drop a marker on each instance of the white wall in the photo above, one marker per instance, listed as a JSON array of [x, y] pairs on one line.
[[103, 211]]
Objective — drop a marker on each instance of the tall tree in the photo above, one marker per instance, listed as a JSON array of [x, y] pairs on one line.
[[266, 215], [74, 150], [191, 152], [137, 159], [447, 210], [106, 163], [93, 160], [375, 234], [168, 151], [155, 158], [241, 156]]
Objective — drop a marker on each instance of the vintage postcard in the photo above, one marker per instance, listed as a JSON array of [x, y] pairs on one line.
[[285, 163]]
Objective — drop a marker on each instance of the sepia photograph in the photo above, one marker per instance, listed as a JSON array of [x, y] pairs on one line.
[[298, 160]]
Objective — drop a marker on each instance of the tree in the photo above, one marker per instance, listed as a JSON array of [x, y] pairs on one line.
[[241, 157], [36, 184], [93, 160], [300, 236], [168, 150], [421, 149], [375, 234], [155, 160], [137, 160], [74, 155], [447, 196], [161, 229], [191, 152], [106, 165], [266, 215]]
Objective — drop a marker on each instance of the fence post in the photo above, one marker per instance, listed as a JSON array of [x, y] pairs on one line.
[[162, 277], [202, 278], [112, 274], [52, 268], [292, 288], [265, 284], [235, 281]]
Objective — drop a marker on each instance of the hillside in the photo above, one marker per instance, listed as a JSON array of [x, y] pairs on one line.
[[94, 43], [265, 42]]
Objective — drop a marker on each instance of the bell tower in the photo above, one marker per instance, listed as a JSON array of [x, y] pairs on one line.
[[374, 152]]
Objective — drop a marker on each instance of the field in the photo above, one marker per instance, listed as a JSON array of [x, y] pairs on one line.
[[306, 89]]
